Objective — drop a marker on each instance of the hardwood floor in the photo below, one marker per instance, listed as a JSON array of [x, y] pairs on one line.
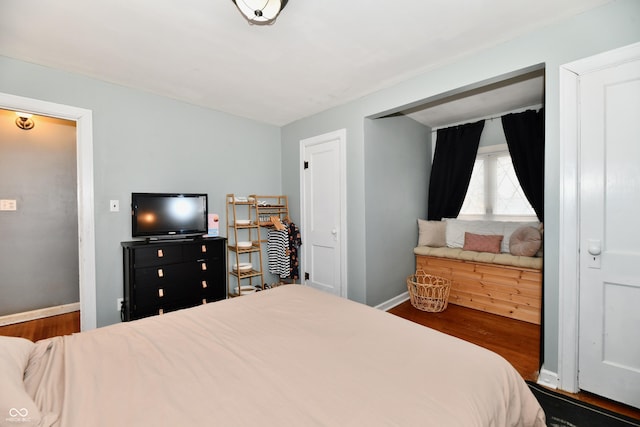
[[47, 327], [516, 341]]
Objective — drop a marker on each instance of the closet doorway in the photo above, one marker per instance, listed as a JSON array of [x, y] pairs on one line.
[[488, 100]]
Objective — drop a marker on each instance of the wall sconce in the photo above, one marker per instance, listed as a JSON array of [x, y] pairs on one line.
[[260, 12], [24, 121]]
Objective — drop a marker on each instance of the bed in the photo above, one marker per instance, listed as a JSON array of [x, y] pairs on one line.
[[289, 356]]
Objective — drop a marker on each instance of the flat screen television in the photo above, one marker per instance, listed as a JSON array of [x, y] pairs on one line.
[[168, 215]]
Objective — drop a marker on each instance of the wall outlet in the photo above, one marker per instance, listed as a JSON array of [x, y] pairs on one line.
[[114, 205], [119, 304]]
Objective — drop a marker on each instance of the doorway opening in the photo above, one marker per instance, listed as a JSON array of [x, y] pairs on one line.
[[85, 209], [487, 100]]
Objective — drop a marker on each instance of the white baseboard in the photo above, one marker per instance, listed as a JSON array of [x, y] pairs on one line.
[[548, 379], [388, 305], [10, 319]]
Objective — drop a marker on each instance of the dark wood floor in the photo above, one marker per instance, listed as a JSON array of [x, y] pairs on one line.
[[516, 341], [63, 324]]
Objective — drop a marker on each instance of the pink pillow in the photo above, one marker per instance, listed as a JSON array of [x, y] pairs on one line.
[[482, 243]]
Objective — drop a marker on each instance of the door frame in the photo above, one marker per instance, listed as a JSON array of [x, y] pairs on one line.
[[569, 265], [341, 136], [86, 222]]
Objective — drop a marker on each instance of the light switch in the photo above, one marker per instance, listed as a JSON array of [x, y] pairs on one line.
[[114, 205], [8, 205]]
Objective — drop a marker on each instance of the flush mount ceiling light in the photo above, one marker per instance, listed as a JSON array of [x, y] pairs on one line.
[[24, 121], [260, 12]]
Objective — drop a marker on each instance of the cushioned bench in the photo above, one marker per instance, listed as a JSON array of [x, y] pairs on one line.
[[499, 283]]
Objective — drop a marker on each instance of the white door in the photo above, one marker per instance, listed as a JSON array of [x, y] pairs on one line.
[[609, 327], [323, 212]]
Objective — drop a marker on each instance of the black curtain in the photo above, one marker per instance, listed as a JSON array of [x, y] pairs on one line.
[[525, 138], [455, 154]]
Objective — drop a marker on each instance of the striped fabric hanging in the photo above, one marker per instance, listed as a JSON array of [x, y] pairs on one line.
[[278, 252]]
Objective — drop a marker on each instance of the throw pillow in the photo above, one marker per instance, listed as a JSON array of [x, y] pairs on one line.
[[510, 228], [457, 227], [525, 241], [539, 254], [482, 243], [432, 233], [16, 406]]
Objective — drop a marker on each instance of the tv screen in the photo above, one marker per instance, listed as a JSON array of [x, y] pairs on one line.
[[168, 214]]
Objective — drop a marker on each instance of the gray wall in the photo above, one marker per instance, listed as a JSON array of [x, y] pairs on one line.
[[613, 25], [144, 142], [39, 244], [397, 157]]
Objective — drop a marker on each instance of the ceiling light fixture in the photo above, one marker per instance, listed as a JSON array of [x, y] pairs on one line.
[[24, 121], [260, 12]]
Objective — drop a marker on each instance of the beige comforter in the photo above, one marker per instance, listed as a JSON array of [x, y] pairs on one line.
[[290, 356]]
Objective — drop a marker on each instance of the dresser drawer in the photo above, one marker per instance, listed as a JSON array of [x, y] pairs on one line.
[[172, 273], [204, 250], [170, 297], [146, 311], [214, 292], [168, 294], [157, 255]]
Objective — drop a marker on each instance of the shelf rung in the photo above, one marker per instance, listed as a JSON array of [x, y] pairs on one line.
[[246, 274]]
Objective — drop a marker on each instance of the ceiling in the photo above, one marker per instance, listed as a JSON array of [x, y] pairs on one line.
[[319, 54], [525, 90]]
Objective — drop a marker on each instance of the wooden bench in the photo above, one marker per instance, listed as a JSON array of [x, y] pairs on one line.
[[514, 292]]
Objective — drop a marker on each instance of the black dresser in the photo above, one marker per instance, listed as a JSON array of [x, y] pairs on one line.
[[170, 275]]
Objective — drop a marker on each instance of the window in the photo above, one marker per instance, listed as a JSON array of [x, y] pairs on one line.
[[494, 191]]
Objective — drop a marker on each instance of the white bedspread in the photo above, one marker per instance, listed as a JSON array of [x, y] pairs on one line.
[[290, 356]]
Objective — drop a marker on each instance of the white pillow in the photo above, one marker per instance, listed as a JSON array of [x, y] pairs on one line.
[[431, 233], [16, 406], [457, 227]]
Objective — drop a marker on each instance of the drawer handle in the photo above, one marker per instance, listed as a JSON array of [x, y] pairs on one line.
[[204, 266], [160, 292], [160, 273], [204, 248], [204, 284], [160, 253]]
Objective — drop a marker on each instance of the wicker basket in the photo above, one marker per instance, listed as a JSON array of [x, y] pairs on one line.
[[427, 292]]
